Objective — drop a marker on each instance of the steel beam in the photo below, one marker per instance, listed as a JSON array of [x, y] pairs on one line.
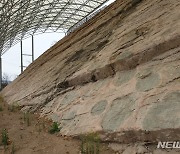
[[22, 19], [21, 57], [32, 48]]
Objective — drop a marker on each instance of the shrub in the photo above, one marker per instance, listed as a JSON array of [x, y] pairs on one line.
[[27, 118], [54, 128], [90, 143], [5, 137], [11, 108], [14, 107], [13, 149]]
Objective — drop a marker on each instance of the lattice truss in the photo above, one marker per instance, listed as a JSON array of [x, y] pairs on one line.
[[21, 18]]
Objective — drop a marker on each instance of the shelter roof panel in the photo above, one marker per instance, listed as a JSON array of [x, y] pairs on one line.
[[19, 19]]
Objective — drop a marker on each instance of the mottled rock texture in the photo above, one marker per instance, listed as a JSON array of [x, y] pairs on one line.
[[118, 74]]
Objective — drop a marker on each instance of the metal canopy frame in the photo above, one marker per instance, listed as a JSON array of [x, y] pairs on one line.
[[20, 19]]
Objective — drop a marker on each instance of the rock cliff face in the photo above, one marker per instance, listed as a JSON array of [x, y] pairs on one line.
[[118, 74]]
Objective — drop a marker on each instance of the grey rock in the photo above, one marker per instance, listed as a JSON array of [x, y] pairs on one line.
[[124, 77], [164, 114], [147, 81], [99, 107], [120, 110], [69, 97], [69, 115]]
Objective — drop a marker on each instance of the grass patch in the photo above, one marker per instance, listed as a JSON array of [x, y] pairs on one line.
[[27, 118], [13, 149], [11, 108], [90, 143], [14, 107], [5, 137], [54, 128]]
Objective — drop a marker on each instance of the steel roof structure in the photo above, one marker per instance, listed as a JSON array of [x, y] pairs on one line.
[[21, 18]]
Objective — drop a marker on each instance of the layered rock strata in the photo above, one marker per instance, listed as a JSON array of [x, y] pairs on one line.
[[118, 74]]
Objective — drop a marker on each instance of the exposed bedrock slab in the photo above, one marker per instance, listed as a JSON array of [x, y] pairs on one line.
[[164, 114], [118, 74], [121, 108], [69, 97], [99, 107], [147, 80], [124, 77], [69, 116]]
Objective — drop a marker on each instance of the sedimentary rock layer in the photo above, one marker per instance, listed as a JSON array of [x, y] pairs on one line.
[[118, 74]]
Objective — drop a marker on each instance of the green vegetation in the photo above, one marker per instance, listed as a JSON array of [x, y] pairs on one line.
[[13, 149], [14, 107], [11, 108], [90, 143], [27, 118], [5, 137], [54, 128]]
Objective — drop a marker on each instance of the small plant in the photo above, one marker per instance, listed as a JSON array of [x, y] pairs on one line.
[[5, 137], [90, 143], [11, 108], [14, 107], [13, 149], [54, 128], [27, 118]]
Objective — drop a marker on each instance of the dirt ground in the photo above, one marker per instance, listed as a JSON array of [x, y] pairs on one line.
[[32, 136]]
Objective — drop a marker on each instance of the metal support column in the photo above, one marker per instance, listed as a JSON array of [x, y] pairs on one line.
[[21, 58], [0, 73], [32, 48]]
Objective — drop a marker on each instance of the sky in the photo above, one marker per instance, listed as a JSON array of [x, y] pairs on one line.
[[11, 60]]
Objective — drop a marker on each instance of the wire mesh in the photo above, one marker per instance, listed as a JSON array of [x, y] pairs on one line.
[[20, 19]]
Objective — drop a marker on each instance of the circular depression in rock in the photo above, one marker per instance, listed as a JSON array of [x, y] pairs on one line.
[[69, 115], [99, 107], [69, 97], [147, 80], [165, 114], [124, 77], [120, 110]]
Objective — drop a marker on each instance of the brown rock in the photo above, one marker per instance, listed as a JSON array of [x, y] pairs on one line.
[[127, 56]]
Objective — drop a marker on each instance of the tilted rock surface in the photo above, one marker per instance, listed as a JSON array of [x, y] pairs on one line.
[[118, 74]]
